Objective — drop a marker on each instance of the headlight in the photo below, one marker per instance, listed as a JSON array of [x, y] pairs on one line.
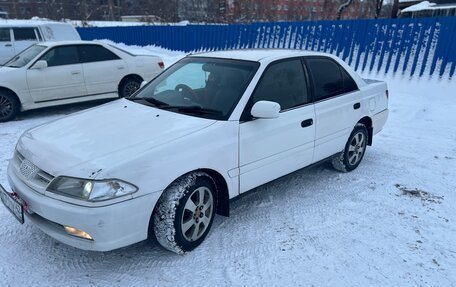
[[90, 190]]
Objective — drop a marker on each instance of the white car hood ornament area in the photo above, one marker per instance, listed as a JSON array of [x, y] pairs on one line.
[[121, 127]]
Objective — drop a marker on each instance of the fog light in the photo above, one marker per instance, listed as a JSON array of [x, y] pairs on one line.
[[78, 233]]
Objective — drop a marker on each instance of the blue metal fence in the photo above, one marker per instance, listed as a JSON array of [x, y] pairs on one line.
[[420, 46]]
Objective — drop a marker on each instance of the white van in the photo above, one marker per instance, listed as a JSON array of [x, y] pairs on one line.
[[16, 35]]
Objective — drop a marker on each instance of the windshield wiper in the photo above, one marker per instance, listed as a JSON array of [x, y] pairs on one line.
[[152, 101], [193, 109]]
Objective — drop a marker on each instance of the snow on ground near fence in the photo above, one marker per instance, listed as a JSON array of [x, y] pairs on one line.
[[391, 222]]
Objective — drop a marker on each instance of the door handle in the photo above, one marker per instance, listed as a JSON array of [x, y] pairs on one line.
[[75, 72], [356, 106], [120, 68], [307, 123], [8, 45]]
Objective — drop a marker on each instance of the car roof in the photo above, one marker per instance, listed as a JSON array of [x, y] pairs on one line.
[[258, 54], [62, 43], [28, 23]]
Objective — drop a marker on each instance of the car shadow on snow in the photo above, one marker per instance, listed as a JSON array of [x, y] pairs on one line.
[[61, 110]]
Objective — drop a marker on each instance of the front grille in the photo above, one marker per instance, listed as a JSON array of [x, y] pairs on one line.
[[28, 169], [44, 177], [32, 175]]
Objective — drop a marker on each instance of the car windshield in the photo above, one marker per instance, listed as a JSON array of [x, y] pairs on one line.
[[199, 86], [23, 58]]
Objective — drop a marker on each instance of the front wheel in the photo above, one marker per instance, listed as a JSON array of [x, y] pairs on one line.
[[354, 151], [185, 212]]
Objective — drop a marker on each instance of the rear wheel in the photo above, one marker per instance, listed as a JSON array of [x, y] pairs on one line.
[[185, 212], [354, 150], [9, 106], [129, 86]]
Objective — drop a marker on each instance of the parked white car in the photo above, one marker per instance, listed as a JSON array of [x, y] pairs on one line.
[[17, 35], [58, 73], [209, 128]]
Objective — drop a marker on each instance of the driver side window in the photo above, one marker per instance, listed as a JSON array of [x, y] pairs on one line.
[[59, 56], [283, 82]]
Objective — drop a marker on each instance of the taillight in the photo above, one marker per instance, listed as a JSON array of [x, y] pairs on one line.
[[161, 65], [387, 94]]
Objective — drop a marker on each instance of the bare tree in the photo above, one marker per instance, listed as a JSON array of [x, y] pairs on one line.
[[342, 7], [325, 8], [378, 8], [395, 9], [87, 9]]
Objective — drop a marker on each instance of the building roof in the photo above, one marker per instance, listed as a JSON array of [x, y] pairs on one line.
[[426, 5]]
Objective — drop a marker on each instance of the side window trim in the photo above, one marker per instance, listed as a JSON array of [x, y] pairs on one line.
[[38, 34], [246, 117], [312, 81], [310, 84]]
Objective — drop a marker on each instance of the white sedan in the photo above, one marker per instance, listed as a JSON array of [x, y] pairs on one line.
[[49, 74], [163, 162]]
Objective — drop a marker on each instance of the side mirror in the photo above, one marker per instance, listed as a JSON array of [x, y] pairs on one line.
[[41, 64], [143, 83], [265, 110]]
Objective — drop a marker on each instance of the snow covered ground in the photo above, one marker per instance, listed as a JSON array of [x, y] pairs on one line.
[[391, 222]]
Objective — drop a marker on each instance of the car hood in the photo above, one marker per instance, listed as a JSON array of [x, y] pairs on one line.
[[7, 69], [117, 127]]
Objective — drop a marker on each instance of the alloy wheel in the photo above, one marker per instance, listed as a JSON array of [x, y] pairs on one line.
[[197, 214], [356, 148], [6, 106]]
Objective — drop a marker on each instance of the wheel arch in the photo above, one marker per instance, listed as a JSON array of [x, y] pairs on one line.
[[11, 92], [367, 121], [129, 76], [223, 199]]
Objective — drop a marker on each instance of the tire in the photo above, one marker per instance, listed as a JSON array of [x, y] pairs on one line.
[[354, 151], [128, 86], [185, 212], [9, 106]]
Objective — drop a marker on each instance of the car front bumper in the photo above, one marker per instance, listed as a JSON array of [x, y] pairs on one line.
[[111, 226]]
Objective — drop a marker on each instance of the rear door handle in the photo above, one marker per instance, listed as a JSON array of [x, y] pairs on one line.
[[307, 123], [75, 72], [356, 106], [8, 45]]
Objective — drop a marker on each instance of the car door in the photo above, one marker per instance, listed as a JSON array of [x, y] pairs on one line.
[[6, 45], [103, 69], [62, 79], [270, 148], [337, 105]]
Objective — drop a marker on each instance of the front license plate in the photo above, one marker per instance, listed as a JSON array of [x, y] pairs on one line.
[[12, 204]]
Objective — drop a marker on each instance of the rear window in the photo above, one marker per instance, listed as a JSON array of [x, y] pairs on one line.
[[5, 35], [24, 34], [329, 78]]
